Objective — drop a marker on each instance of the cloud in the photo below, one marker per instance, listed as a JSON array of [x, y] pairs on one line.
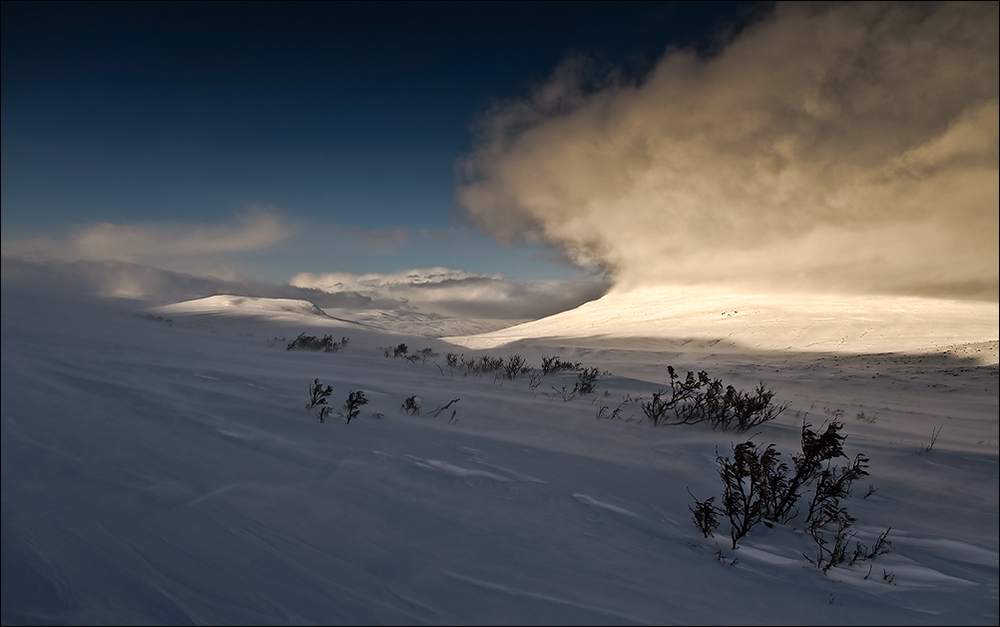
[[457, 292], [832, 146], [197, 249], [394, 236], [136, 243], [160, 264], [151, 286]]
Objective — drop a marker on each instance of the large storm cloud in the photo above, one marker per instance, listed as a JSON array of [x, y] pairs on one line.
[[833, 146]]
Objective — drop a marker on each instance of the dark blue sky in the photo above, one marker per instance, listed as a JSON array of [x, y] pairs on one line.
[[332, 115]]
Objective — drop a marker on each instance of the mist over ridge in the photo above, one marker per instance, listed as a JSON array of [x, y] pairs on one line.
[[827, 147]]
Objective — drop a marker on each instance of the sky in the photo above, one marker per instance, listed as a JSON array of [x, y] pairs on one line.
[[538, 148]]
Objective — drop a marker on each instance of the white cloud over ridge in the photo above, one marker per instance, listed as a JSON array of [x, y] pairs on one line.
[[451, 292], [161, 264], [834, 146]]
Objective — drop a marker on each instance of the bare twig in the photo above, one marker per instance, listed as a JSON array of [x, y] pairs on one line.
[[934, 436], [437, 412]]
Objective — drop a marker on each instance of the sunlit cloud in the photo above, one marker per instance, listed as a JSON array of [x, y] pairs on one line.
[[197, 249], [833, 146], [457, 292]]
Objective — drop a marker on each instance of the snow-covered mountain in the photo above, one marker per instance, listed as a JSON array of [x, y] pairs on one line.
[[796, 322], [295, 311], [276, 309]]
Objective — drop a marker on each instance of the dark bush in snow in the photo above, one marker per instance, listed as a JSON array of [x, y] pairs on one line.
[[551, 364], [411, 405], [514, 366], [697, 399], [758, 487], [352, 406], [311, 343], [318, 394]]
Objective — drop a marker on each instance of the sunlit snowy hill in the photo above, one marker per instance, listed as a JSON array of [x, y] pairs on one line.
[[289, 311], [275, 309], [795, 322]]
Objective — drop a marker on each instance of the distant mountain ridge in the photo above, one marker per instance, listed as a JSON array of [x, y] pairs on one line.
[[285, 309], [304, 312]]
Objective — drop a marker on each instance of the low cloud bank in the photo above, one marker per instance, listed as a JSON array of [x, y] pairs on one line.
[[146, 285], [197, 249], [436, 291], [459, 293], [160, 264], [833, 146]]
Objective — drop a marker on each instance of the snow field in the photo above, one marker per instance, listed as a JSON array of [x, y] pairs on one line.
[[168, 472]]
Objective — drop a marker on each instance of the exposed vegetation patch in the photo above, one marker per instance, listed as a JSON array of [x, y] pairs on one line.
[[758, 487], [312, 343]]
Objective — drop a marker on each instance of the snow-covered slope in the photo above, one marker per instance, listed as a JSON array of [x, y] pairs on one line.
[[168, 472], [418, 323], [293, 311], [797, 322], [277, 309]]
